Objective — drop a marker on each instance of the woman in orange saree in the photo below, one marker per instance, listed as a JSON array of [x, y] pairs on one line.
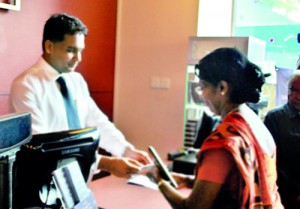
[[236, 164]]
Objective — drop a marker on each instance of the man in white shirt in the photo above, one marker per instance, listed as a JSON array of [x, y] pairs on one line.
[[36, 91]]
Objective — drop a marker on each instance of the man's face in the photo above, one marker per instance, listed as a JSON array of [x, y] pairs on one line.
[[66, 55], [294, 93]]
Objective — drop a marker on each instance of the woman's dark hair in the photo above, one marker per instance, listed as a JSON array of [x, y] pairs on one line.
[[244, 78], [58, 25]]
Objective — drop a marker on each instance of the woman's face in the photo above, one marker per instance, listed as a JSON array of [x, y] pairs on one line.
[[211, 95]]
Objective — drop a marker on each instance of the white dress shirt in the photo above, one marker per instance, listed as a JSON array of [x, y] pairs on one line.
[[36, 91]]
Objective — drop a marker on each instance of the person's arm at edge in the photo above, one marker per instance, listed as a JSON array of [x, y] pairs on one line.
[[118, 166], [139, 155], [119, 146]]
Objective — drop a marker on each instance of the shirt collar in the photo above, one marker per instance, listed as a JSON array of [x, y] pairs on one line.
[[50, 73], [291, 111]]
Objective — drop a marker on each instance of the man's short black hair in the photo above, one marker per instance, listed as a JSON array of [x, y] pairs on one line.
[[58, 25]]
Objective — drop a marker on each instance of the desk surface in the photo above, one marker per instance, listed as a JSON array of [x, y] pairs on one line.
[[114, 193]]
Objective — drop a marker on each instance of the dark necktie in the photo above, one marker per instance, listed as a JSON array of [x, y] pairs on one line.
[[71, 110]]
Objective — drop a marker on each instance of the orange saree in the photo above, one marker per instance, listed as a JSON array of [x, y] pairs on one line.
[[256, 167]]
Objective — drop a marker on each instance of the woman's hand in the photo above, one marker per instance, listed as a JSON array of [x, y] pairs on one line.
[[154, 174], [183, 180]]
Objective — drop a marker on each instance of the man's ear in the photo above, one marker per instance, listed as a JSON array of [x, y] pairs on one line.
[[223, 86], [48, 46]]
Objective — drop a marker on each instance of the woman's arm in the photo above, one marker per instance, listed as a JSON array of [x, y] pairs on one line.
[[211, 175], [202, 196]]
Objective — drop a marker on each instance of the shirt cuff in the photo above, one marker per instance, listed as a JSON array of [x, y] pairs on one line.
[[98, 159], [129, 146]]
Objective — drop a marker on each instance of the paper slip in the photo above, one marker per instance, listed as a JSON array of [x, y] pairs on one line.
[[142, 180]]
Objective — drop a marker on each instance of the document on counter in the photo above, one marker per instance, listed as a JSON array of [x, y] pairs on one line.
[[142, 180]]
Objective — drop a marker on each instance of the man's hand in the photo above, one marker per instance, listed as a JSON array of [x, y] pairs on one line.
[[119, 166], [141, 156]]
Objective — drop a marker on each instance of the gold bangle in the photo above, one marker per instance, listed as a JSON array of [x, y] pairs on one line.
[[160, 183]]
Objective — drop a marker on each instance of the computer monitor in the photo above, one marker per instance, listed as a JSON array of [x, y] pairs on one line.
[[36, 161], [15, 131]]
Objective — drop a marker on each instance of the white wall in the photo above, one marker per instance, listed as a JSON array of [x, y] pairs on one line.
[[215, 18], [152, 46]]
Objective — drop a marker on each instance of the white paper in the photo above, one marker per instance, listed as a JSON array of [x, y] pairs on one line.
[[142, 180]]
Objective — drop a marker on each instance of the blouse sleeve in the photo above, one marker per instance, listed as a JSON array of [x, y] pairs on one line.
[[215, 166]]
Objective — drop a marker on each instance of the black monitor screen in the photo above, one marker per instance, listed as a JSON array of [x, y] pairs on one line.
[[35, 162]]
